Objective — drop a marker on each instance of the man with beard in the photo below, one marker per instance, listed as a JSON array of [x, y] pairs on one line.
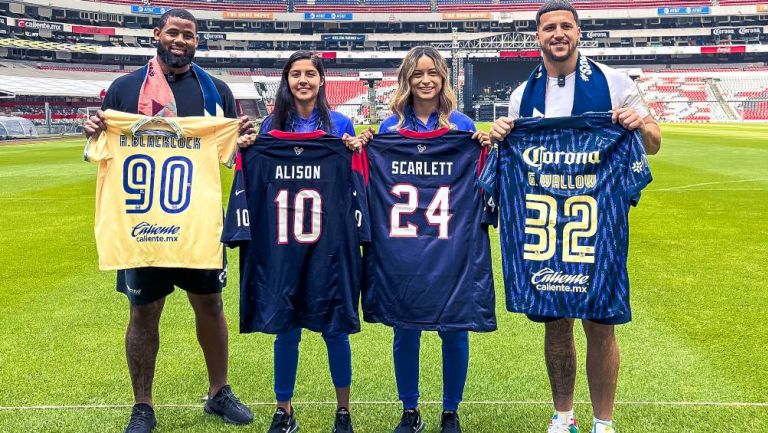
[[567, 84], [171, 85]]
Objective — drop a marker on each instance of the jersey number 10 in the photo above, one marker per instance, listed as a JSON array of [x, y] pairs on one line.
[[305, 198], [139, 183]]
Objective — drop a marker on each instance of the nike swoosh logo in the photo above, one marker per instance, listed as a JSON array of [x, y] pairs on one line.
[[239, 192]]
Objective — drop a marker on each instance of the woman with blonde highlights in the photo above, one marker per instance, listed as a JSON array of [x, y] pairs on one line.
[[424, 101]]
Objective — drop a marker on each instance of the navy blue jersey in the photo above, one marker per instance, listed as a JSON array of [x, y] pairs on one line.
[[428, 265], [565, 186], [296, 211]]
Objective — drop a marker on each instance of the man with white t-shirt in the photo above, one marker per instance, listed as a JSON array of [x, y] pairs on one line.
[[566, 84]]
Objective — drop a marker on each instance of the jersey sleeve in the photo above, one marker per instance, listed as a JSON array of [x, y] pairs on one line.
[[637, 169], [360, 172], [237, 221], [515, 99], [226, 142], [97, 150], [487, 182]]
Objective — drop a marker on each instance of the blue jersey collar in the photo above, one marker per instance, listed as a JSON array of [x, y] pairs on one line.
[[413, 123]]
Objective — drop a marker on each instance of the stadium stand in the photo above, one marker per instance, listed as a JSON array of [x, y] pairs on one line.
[[695, 67], [346, 94], [526, 5], [384, 6], [747, 94], [238, 5], [695, 96]]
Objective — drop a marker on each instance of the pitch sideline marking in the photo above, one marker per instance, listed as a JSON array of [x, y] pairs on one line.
[[479, 402], [674, 188]]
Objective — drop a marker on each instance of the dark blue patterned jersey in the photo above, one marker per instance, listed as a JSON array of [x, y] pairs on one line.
[[564, 187], [428, 265], [296, 210]]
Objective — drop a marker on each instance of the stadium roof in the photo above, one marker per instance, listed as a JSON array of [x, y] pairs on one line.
[[35, 86], [52, 86]]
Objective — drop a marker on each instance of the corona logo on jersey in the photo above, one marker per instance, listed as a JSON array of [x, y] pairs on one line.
[[538, 156]]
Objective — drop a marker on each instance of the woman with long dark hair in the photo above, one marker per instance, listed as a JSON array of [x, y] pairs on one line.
[[301, 106], [424, 101]]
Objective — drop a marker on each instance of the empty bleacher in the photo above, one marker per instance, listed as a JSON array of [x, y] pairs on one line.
[[528, 5], [346, 94], [747, 94], [706, 96], [237, 5], [382, 6]]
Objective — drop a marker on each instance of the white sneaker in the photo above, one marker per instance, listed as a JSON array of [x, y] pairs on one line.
[[556, 426], [604, 428]]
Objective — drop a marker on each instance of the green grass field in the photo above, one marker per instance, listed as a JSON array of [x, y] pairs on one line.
[[695, 358]]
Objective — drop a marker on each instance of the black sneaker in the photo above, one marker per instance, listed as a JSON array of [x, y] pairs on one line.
[[283, 422], [449, 422], [142, 419], [410, 422], [227, 406], [343, 422]]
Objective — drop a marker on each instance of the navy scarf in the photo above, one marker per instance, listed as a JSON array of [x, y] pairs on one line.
[[591, 93]]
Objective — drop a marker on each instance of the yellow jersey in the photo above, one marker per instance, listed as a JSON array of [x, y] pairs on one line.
[[158, 191]]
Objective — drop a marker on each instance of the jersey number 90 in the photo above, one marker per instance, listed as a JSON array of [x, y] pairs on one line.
[[139, 183]]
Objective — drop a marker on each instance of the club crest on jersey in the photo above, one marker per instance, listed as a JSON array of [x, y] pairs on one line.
[[155, 132], [421, 148], [298, 150], [538, 156]]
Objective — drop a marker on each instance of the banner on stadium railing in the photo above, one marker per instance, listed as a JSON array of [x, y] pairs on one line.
[[734, 31], [727, 49], [463, 16], [343, 38], [595, 35], [327, 16], [213, 36], [88, 30], [23, 31], [693, 10], [246, 15], [30, 24], [762, 8], [149, 10]]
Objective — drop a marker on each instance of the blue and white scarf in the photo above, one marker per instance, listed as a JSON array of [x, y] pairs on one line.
[[591, 93]]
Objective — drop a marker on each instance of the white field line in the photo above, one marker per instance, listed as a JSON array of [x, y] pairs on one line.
[[693, 185], [329, 403]]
